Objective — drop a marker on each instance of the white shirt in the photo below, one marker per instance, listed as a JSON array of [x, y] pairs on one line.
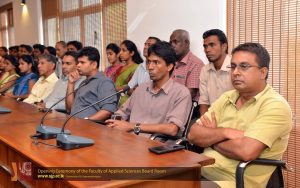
[[42, 88], [140, 75], [214, 83]]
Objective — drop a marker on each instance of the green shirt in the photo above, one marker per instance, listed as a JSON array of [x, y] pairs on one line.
[[267, 118]]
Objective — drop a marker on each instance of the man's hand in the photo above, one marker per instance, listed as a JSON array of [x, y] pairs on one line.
[[41, 106], [120, 124], [11, 95], [74, 76], [206, 122]]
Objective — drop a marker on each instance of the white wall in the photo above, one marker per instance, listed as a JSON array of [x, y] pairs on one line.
[[27, 21], [160, 17], [145, 17]]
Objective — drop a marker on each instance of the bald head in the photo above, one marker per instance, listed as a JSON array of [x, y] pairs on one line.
[[180, 41], [182, 33]]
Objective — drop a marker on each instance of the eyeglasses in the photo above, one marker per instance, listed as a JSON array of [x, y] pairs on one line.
[[241, 67]]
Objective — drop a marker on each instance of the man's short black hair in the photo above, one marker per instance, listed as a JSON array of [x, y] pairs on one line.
[[165, 51], [77, 44], [4, 48], [261, 53], [51, 50], [16, 48], [219, 33], [154, 38], [27, 47], [91, 53], [73, 54], [40, 47]]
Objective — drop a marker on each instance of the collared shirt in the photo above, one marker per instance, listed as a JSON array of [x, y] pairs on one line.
[[97, 88], [42, 88], [267, 118], [59, 92], [187, 72], [140, 76], [169, 105], [58, 68], [214, 83]]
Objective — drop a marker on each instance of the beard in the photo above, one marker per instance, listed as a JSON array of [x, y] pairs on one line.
[[178, 57]]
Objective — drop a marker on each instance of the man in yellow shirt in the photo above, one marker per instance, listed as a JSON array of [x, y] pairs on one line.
[[246, 123], [44, 86]]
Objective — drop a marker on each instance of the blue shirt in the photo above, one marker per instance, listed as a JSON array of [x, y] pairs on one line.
[[22, 84]]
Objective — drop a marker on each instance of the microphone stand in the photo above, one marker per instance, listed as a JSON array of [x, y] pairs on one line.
[[47, 132], [68, 142]]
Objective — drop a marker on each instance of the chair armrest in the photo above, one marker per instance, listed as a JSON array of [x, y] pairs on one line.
[[98, 121], [62, 111], [163, 136], [240, 169], [271, 162], [182, 141]]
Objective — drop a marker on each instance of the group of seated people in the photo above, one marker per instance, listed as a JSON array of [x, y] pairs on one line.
[[240, 116]]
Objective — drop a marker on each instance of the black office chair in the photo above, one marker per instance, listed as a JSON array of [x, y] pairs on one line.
[[178, 139], [276, 179]]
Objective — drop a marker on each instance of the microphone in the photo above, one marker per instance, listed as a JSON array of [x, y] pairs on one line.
[[68, 142], [47, 132]]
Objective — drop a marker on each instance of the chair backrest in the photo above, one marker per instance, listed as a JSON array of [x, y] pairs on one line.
[[183, 136], [188, 123], [276, 179]]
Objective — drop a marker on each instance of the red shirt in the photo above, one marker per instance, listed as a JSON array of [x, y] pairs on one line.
[[187, 72]]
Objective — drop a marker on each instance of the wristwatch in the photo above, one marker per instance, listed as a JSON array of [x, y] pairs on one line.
[[137, 129]]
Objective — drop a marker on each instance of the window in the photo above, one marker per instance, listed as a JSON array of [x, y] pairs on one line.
[[276, 25], [67, 5], [92, 22], [6, 26], [92, 25], [50, 35], [71, 28]]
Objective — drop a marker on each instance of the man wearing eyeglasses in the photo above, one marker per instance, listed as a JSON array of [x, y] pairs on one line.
[[215, 76], [246, 123]]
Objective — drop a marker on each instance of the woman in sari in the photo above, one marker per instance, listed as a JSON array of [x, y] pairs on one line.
[[2, 70], [28, 78], [11, 66], [131, 58], [112, 53]]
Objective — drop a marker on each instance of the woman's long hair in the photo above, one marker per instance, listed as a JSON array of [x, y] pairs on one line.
[[131, 47]]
